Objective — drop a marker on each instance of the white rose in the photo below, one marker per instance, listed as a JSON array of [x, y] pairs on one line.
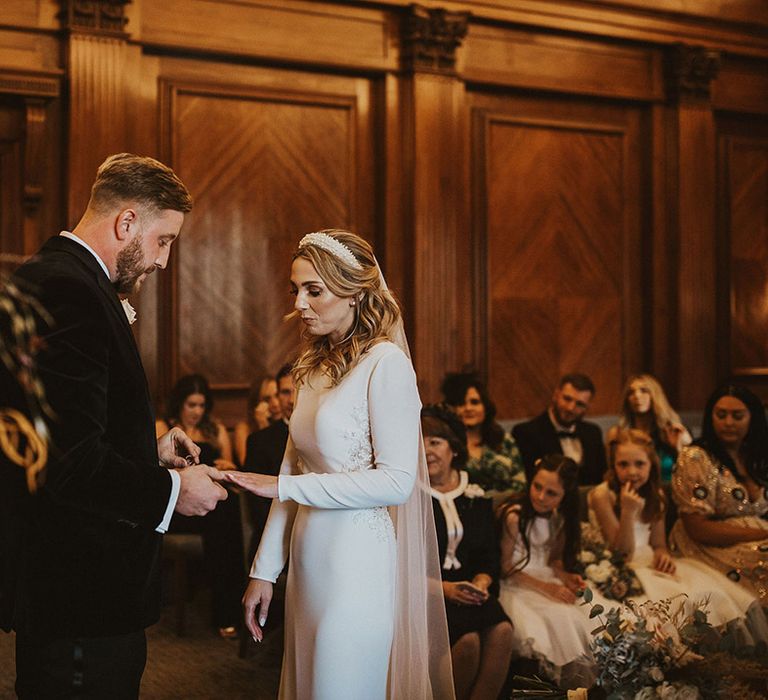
[[597, 573], [675, 691], [587, 557]]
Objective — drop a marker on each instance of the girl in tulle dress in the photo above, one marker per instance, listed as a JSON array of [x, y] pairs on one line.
[[629, 506], [539, 545]]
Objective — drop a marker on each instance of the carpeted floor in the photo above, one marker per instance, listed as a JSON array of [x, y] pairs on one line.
[[198, 666]]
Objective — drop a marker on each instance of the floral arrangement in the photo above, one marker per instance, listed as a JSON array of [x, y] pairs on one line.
[[667, 649], [606, 571]]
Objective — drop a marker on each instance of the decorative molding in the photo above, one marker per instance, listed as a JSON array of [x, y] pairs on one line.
[[100, 16], [28, 84], [430, 37], [691, 70]]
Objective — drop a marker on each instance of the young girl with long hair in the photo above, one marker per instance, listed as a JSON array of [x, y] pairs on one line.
[[628, 507], [645, 407], [540, 541]]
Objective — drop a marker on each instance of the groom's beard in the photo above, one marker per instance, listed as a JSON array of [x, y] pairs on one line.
[[131, 267]]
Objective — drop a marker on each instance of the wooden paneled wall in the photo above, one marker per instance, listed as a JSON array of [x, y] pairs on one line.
[[550, 185]]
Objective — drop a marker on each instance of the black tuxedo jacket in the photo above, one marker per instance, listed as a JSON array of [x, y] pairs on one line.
[[264, 451], [90, 565], [538, 437]]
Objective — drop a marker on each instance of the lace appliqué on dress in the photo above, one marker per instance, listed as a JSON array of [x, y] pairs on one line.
[[378, 520], [360, 457]]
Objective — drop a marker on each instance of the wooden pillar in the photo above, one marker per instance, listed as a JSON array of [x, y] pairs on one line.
[[692, 206], [97, 58], [434, 213]]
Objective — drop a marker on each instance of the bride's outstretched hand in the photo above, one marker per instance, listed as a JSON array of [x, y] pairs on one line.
[[260, 484], [257, 595]]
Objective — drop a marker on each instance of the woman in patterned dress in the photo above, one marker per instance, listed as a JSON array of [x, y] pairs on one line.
[[720, 485], [494, 461]]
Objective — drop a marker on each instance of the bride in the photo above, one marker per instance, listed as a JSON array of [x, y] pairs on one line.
[[352, 502]]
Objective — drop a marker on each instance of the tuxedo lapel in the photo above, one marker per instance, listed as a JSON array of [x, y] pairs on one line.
[[86, 266]]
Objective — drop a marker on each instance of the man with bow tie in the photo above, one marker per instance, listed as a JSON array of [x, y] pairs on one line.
[[562, 429], [88, 583]]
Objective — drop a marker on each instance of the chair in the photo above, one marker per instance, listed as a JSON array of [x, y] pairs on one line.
[[180, 549]]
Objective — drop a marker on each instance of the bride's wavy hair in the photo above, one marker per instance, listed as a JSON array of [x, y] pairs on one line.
[[376, 311]]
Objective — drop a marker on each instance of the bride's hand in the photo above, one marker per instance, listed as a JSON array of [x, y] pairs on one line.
[[260, 484], [258, 593]]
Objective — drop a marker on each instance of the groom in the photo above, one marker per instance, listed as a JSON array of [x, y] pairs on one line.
[[88, 582]]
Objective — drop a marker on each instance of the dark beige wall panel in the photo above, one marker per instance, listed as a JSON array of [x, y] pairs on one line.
[[264, 166], [291, 30], [533, 59], [747, 222], [559, 231]]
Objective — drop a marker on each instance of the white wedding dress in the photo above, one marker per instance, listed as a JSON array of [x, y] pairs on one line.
[[353, 451]]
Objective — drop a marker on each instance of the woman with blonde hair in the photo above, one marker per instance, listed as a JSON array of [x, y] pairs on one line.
[[645, 407], [363, 600]]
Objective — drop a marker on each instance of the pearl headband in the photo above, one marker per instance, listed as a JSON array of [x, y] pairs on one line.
[[334, 247]]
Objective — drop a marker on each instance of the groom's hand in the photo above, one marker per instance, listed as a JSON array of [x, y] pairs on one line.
[[199, 492], [174, 447]]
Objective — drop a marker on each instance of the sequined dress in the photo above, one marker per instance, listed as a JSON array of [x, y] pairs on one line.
[[352, 451], [702, 485]]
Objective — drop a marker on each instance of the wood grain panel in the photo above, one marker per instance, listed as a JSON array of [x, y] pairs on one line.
[[521, 58], [716, 23], [97, 95], [264, 168], [11, 187], [741, 86], [560, 246], [293, 30], [748, 228]]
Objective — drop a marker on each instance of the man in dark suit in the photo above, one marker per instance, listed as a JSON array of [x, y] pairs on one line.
[[88, 584], [562, 429], [264, 452]]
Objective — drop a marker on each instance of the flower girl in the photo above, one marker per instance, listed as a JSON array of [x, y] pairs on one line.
[[628, 507], [539, 591]]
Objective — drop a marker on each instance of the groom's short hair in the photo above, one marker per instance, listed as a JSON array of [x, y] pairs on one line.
[[125, 177]]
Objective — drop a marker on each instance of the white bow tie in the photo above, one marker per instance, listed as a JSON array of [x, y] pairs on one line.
[[130, 312]]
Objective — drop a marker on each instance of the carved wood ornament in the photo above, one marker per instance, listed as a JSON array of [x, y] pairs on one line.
[[691, 70], [430, 38], [103, 16]]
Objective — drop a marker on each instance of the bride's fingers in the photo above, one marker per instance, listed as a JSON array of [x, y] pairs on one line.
[[249, 617]]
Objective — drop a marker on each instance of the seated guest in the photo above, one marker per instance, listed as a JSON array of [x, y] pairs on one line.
[[628, 508], [189, 407], [262, 410], [720, 485], [540, 540], [645, 407], [479, 631], [562, 429], [494, 461], [264, 452]]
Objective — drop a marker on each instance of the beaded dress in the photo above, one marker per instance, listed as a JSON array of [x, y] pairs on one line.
[[702, 485]]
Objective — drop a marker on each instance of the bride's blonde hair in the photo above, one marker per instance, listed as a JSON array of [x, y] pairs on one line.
[[376, 311]]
